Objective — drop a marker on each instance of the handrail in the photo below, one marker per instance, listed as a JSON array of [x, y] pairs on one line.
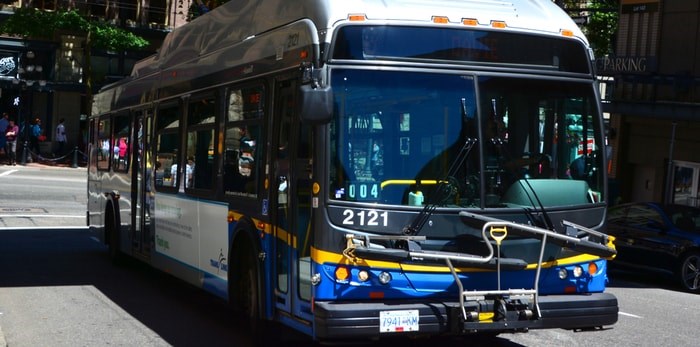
[[497, 229]]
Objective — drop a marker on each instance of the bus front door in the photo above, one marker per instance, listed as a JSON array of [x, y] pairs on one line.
[[292, 169], [142, 184]]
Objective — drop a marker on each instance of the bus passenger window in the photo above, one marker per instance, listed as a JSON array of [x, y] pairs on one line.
[[167, 144], [200, 155], [243, 133], [103, 134], [122, 131], [189, 173], [173, 175], [199, 167], [240, 161], [160, 174]]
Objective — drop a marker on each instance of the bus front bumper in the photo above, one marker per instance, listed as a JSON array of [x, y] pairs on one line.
[[336, 320]]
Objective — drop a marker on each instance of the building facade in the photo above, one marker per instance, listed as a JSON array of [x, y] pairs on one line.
[[653, 99], [45, 79]]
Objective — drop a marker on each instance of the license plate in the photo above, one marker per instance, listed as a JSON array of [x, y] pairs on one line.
[[398, 321]]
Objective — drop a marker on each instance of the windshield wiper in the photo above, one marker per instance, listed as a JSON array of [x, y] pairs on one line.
[[442, 191], [547, 221]]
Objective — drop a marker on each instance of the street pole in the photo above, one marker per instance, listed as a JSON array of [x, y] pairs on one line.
[[26, 78], [24, 152], [23, 135], [75, 157], [669, 174]]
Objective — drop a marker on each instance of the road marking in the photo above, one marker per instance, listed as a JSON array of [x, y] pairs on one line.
[[40, 215], [630, 315], [22, 209], [7, 172], [39, 228]]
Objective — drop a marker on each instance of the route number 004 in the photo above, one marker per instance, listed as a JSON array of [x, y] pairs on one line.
[[363, 191], [365, 218]]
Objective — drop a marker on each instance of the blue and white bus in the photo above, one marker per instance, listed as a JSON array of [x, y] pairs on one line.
[[361, 169]]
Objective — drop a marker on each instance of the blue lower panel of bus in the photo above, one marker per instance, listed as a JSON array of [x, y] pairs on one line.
[[338, 320], [215, 285]]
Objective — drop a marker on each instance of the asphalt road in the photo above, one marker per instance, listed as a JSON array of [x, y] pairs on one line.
[[58, 288], [62, 290], [35, 195]]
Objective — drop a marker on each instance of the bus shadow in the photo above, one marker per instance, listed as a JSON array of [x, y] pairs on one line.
[[177, 312], [180, 314]]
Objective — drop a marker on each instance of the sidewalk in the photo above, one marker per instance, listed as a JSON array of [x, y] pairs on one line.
[[45, 163], [73, 159], [38, 165]]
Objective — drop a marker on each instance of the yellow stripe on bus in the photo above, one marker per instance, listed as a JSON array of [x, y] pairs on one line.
[[326, 257]]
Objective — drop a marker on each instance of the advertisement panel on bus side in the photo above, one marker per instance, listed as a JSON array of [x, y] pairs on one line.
[[193, 232]]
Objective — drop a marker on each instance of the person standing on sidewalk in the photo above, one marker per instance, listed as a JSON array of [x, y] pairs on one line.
[[34, 138], [60, 137], [4, 121], [11, 142]]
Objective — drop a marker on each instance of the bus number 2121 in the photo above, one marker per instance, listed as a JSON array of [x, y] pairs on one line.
[[365, 218]]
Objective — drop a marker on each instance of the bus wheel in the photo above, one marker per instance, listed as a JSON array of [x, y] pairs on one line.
[[248, 292], [113, 234]]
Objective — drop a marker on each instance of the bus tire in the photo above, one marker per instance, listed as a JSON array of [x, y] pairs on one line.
[[245, 287], [112, 233]]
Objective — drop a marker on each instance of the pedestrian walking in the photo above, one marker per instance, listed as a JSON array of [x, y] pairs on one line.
[[34, 139], [11, 143], [60, 137], [4, 122]]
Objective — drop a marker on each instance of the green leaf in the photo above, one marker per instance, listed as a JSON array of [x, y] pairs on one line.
[[42, 25]]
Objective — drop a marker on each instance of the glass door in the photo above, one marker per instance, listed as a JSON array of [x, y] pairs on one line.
[[685, 183]]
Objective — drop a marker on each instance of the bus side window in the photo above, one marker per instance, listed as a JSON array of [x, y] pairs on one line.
[[199, 148], [240, 160], [243, 134], [167, 144], [103, 148]]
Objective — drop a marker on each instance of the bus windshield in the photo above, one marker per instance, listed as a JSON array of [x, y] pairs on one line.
[[398, 138]]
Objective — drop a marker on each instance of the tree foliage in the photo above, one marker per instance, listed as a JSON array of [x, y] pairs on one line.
[[36, 24], [600, 26]]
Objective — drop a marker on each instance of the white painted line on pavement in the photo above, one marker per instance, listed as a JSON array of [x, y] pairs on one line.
[[40, 215], [630, 315], [7, 172], [38, 227]]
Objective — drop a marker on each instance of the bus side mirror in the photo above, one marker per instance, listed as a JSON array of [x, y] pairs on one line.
[[316, 104]]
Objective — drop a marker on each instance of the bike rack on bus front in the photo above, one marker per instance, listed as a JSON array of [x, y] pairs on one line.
[[360, 246]]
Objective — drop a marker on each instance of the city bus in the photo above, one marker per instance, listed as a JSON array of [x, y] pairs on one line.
[[365, 169]]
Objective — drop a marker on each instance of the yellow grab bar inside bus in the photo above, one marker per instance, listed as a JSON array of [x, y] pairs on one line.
[[407, 182]]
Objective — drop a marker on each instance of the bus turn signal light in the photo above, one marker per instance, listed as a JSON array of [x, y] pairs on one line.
[[592, 269], [440, 19], [357, 17], [470, 21], [341, 273], [566, 32], [498, 24]]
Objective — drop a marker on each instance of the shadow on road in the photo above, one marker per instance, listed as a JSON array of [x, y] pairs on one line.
[[628, 277], [30, 258], [179, 313]]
